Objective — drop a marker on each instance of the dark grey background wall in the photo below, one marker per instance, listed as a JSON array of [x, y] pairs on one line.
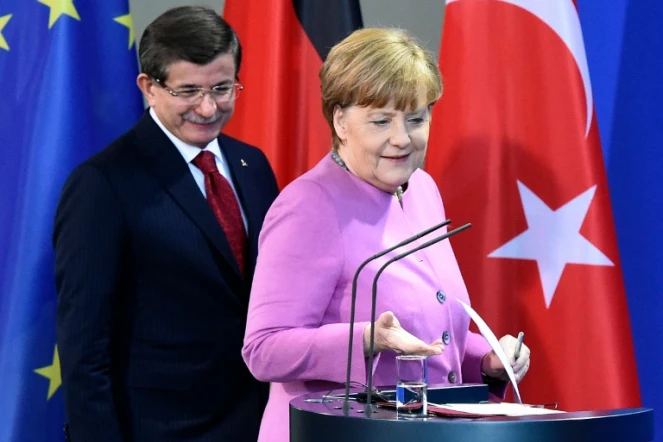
[[422, 18]]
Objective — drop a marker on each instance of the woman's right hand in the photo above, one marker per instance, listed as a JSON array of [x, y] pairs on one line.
[[389, 335]]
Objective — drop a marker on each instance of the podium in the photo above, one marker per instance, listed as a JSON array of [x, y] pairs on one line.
[[313, 419]]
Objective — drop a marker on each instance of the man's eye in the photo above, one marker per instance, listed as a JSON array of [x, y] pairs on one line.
[[188, 93], [221, 90]]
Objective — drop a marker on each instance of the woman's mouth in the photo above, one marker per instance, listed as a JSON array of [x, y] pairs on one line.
[[396, 158]]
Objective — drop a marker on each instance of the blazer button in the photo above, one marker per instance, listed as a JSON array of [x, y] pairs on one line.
[[446, 337], [452, 377], [441, 297]]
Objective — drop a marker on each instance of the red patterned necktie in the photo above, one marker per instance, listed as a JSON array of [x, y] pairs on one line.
[[223, 202]]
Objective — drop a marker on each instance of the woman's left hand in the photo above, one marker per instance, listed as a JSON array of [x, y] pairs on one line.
[[492, 366]]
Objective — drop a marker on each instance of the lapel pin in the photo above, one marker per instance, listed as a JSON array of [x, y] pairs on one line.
[[244, 163]]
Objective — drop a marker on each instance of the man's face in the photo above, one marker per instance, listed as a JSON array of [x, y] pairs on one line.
[[194, 120]]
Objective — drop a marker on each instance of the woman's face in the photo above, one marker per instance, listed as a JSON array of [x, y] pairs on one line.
[[382, 146]]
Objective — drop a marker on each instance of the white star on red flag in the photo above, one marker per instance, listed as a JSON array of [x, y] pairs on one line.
[[553, 238]]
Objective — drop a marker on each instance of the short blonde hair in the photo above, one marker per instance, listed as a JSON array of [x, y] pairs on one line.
[[374, 66]]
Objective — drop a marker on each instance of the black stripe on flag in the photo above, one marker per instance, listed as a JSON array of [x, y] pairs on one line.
[[326, 22]]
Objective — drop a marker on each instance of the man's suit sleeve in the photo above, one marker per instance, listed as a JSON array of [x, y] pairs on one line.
[[88, 242]]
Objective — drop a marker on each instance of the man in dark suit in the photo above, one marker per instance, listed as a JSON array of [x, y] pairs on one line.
[[156, 240]]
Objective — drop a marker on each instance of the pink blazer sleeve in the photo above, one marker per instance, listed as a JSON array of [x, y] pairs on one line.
[[299, 262], [476, 348]]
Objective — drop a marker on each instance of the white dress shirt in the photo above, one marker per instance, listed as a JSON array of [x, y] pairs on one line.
[[189, 152]]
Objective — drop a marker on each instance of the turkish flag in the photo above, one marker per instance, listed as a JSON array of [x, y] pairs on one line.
[[284, 43], [515, 150]]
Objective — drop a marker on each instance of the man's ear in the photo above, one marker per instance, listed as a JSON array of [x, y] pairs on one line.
[[340, 123], [146, 86]]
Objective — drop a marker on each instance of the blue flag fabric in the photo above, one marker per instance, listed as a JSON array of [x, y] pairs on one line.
[[623, 45], [68, 70]]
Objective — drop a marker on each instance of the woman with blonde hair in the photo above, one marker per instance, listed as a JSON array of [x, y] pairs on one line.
[[369, 193]]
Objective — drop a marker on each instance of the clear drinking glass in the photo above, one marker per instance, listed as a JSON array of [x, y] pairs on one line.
[[412, 386]]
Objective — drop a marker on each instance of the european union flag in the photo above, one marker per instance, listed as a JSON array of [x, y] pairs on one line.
[[67, 70]]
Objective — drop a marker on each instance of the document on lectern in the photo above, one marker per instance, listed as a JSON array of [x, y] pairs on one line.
[[501, 409], [495, 345]]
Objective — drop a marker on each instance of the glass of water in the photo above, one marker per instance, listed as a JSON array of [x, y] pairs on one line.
[[412, 386]]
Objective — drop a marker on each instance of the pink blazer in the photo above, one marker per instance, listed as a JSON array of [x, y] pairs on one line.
[[315, 235]]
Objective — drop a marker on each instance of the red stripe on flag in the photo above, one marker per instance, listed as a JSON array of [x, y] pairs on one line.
[[280, 108], [514, 110]]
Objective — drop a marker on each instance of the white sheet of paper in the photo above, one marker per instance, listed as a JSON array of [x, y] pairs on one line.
[[501, 409], [487, 333]]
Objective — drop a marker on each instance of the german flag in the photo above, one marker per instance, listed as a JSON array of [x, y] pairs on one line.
[[284, 43]]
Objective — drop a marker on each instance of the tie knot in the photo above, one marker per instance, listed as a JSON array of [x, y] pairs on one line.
[[205, 162]]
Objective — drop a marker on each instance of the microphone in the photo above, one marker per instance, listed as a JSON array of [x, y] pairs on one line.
[[371, 347], [346, 406]]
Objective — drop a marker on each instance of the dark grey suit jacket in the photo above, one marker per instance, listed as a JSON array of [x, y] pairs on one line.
[[151, 304]]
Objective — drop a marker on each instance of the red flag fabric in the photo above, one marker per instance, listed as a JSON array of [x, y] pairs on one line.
[[284, 43], [515, 151]]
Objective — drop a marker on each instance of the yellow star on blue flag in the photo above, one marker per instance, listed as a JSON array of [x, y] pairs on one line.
[[128, 22], [3, 22], [52, 373], [60, 8]]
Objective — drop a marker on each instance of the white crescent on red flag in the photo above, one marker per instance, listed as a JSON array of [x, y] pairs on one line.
[[515, 150]]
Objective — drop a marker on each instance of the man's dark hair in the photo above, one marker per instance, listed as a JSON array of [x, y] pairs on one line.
[[196, 34]]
